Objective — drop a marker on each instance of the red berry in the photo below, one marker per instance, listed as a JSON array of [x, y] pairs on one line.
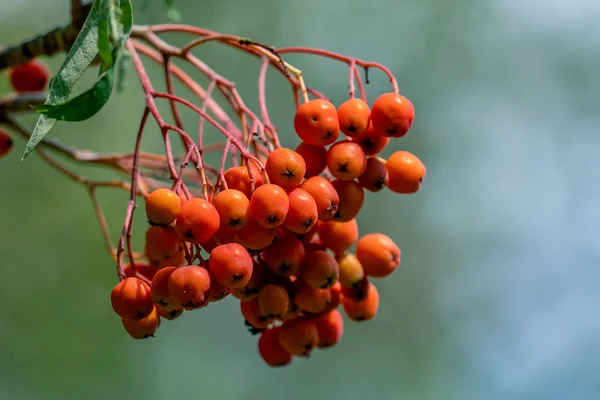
[[32, 76]]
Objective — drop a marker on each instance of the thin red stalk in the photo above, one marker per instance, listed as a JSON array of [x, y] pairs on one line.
[[131, 204]]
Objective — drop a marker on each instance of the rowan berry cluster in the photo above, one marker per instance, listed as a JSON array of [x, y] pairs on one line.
[[279, 232]]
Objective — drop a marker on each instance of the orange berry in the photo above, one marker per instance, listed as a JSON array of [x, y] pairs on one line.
[[6, 143], [330, 328], [392, 115], [251, 312], [371, 141], [231, 265], [198, 221], [159, 289], [406, 172], [233, 207], [352, 198], [239, 178], [303, 214], [285, 256], [254, 236], [351, 270], [319, 269], [375, 177], [142, 270], [325, 196], [273, 301], [316, 122], [310, 299], [346, 160], [163, 247], [33, 76], [365, 309], [189, 287], [358, 291], [131, 299], [143, 328], [217, 291], [162, 207], [338, 236], [299, 337], [353, 116], [285, 168], [314, 158], [252, 288], [378, 254], [269, 205], [169, 314], [271, 350]]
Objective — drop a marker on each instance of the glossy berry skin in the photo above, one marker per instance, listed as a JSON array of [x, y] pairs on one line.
[[162, 207], [6, 143], [254, 236], [143, 328], [233, 207], [363, 310], [314, 158], [271, 350], [273, 301], [351, 199], [131, 299], [269, 205], [406, 172], [371, 141], [319, 269], [169, 314], [198, 221], [338, 236], [351, 270], [325, 196], [239, 178], [330, 328], [163, 247], [310, 299], [375, 176], [285, 168], [299, 337], [251, 312], [392, 115], [353, 116], [378, 254], [189, 287], [253, 287], [316, 122], [346, 160], [302, 214], [286, 256], [159, 289], [231, 265], [32, 76]]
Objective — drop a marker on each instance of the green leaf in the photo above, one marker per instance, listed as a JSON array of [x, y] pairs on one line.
[[87, 45], [84, 106], [123, 65], [79, 57], [104, 30]]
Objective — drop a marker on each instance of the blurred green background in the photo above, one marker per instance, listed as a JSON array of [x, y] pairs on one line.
[[500, 274]]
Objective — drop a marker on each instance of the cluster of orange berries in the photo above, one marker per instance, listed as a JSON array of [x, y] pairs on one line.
[[32, 76], [279, 239]]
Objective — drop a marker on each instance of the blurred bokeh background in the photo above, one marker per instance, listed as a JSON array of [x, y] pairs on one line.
[[496, 295]]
